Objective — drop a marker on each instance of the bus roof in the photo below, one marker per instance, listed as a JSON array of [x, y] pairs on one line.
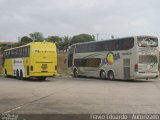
[[112, 39], [27, 45]]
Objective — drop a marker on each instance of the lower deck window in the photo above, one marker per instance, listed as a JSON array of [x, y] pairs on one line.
[[89, 62]]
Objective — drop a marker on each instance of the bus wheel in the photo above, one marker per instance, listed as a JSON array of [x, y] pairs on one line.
[[41, 78], [17, 74], [75, 73], [102, 75], [111, 75], [21, 75]]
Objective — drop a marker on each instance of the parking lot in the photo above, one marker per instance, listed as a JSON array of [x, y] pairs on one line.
[[67, 95]]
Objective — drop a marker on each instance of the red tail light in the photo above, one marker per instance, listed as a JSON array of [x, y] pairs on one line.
[[136, 67]]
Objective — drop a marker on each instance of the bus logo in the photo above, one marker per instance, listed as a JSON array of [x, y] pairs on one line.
[[112, 57]]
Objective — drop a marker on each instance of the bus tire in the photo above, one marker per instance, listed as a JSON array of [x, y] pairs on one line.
[[17, 74], [111, 75], [102, 75], [42, 78], [21, 75], [75, 73]]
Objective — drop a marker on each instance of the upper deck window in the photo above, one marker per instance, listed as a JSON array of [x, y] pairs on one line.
[[108, 45]]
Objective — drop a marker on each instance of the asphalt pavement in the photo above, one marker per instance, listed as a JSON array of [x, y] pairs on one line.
[[67, 95]]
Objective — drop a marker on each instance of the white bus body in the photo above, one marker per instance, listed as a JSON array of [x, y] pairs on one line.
[[125, 58]]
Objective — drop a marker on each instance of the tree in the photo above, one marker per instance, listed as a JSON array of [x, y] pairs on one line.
[[4, 47], [82, 38], [37, 36], [26, 40], [112, 36], [22, 41], [55, 39], [65, 43], [18, 44]]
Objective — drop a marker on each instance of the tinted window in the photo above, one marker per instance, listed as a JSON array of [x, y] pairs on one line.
[[17, 53], [90, 62], [110, 45], [70, 56], [146, 59], [71, 50]]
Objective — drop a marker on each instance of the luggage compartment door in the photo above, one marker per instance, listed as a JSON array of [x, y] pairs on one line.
[[126, 68]]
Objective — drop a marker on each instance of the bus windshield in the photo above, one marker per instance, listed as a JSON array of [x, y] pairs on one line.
[[147, 41], [147, 59]]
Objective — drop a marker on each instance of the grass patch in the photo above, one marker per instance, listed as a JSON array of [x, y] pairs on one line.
[[1, 72], [2, 75], [63, 72]]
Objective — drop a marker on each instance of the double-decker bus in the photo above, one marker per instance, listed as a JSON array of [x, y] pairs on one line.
[[36, 59], [134, 57]]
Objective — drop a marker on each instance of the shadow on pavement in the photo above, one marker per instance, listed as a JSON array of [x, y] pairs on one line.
[[116, 80]]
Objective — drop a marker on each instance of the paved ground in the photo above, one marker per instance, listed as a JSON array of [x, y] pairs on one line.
[[67, 95]]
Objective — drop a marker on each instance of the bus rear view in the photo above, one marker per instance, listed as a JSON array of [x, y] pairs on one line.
[[147, 58], [43, 60]]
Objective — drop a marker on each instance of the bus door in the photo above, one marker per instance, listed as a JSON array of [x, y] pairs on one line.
[[126, 68], [70, 60], [70, 56]]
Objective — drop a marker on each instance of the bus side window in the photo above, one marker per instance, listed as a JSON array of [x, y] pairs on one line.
[[9, 54], [23, 51], [20, 52], [17, 53], [28, 51], [3, 58], [117, 45]]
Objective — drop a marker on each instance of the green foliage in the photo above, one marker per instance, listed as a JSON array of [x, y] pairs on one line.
[[65, 43], [23, 41], [55, 39], [26, 40], [62, 42], [37, 36], [82, 38], [18, 44], [4, 47]]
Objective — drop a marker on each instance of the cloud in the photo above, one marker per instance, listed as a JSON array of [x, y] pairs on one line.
[[70, 17]]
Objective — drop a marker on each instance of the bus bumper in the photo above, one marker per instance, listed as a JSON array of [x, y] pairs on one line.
[[146, 75], [39, 74]]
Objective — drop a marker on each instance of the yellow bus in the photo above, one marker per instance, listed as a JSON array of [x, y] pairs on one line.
[[36, 59]]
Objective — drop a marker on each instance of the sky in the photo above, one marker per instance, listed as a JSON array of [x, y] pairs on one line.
[[120, 18]]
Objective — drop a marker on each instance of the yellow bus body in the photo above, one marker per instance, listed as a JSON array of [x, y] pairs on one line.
[[36, 59]]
